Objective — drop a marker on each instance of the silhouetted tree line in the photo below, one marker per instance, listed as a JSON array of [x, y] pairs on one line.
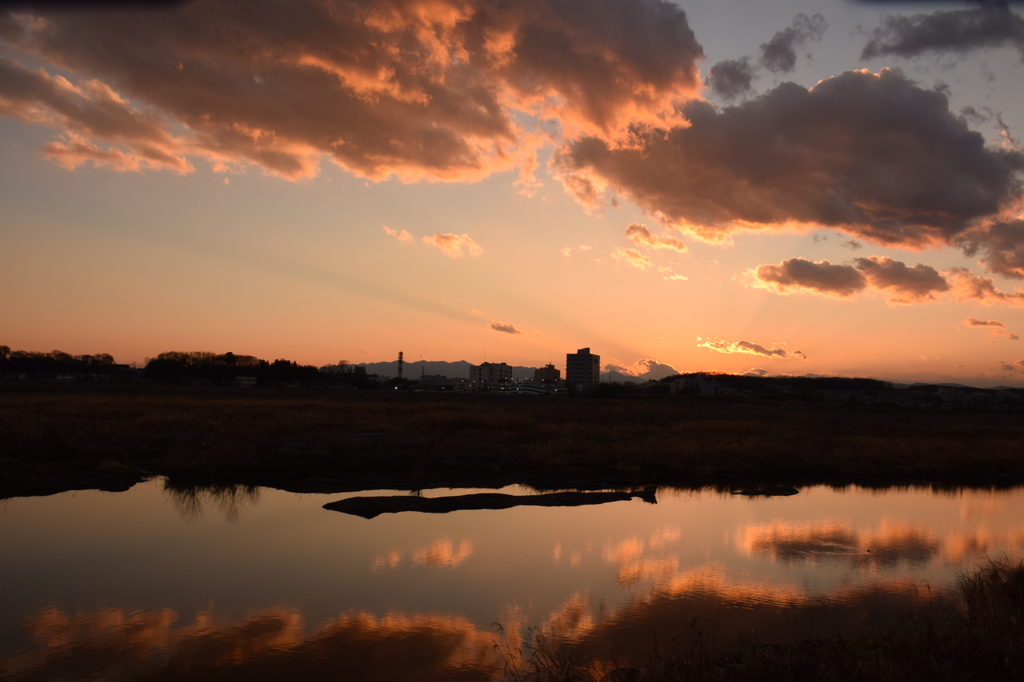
[[227, 367], [799, 384], [56, 363]]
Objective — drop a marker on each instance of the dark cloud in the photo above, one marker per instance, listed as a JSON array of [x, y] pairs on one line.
[[871, 154], [908, 284], [975, 322], [619, 57], [904, 284], [899, 545], [887, 547], [778, 55], [731, 78], [958, 31], [1002, 247], [800, 274], [405, 88], [9, 28], [789, 545], [504, 327], [88, 110]]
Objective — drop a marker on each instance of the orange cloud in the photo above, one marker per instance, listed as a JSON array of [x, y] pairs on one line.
[[749, 348], [454, 245], [88, 112], [632, 257], [567, 251], [273, 644], [644, 369], [444, 552], [416, 90], [640, 235], [402, 236], [969, 287]]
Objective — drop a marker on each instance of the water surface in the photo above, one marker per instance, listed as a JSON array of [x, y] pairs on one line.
[[261, 584]]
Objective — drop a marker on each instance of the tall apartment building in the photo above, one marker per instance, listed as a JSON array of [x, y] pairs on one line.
[[582, 371], [490, 373], [547, 374]]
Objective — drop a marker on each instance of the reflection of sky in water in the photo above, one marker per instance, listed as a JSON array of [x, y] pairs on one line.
[[143, 581]]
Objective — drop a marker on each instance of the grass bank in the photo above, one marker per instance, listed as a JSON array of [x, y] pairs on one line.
[[983, 639], [333, 442]]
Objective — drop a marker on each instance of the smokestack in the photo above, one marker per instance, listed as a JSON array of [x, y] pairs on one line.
[[400, 363]]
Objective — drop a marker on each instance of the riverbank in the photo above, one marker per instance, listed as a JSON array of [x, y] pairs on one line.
[[58, 439]]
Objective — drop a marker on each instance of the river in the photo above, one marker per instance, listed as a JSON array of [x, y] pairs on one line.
[[240, 583]]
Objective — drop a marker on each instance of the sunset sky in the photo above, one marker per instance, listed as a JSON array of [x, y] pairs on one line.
[[786, 186]]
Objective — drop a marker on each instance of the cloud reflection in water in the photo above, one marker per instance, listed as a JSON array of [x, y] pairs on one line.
[[269, 645]]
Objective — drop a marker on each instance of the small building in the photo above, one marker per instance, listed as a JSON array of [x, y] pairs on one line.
[[534, 387], [582, 372], [438, 382], [696, 384], [547, 374], [246, 382], [490, 373]]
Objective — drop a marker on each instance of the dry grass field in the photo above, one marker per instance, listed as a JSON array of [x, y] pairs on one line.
[[60, 439]]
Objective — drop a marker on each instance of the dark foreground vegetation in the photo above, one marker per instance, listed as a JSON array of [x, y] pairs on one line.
[[173, 368], [982, 638], [70, 436]]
